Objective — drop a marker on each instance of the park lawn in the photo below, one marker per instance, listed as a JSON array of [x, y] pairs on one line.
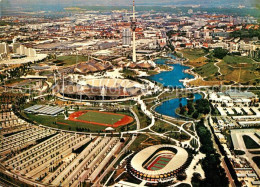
[[250, 143], [193, 54], [238, 72], [100, 117], [201, 82], [162, 127], [128, 72], [179, 136], [197, 62], [255, 152], [256, 159], [70, 60], [233, 68], [208, 70], [137, 144], [237, 60], [71, 125], [143, 118]]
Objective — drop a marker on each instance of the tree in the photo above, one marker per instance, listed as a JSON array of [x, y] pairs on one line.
[[195, 115], [181, 176], [183, 110], [220, 53]]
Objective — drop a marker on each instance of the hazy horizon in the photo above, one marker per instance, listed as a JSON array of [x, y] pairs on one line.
[[205, 3]]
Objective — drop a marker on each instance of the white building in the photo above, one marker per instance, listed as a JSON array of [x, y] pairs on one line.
[[188, 34], [190, 11], [126, 37], [4, 48], [29, 52], [197, 34]]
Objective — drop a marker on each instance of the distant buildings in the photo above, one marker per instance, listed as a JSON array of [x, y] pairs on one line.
[[190, 11], [22, 50]]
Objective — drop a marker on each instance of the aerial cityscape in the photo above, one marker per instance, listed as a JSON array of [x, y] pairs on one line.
[[129, 93]]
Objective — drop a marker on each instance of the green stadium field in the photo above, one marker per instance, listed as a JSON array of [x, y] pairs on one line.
[[99, 117]]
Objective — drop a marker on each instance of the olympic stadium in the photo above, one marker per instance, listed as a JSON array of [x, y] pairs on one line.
[[158, 163]]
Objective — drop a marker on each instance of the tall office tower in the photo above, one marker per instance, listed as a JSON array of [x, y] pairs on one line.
[[16, 46], [188, 34], [4, 48], [127, 37], [197, 34], [133, 26]]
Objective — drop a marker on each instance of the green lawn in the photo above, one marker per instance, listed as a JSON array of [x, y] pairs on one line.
[[237, 60], [143, 118], [179, 136], [162, 127], [100, 117], [250, 143], [128, 72], [71, 125], [137, 143], [239, 69], [193, 54], [239, 152], [257, 161], [69, 60], [255, 152], [208, 70]]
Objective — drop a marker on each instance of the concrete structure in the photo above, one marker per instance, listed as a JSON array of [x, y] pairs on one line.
[[99, 89], [16, 46], [142, 165], [126, 37], [44, 110], [4, 48]]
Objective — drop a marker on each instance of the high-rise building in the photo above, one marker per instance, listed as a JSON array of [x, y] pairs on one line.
[[22, 50], [127, 37], [16, 46], [133, 25], [206, 34], [4, 48], [188, 34], [197, 34]]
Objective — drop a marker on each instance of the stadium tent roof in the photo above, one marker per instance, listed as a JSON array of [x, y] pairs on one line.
[[109, 129], [175, 163]]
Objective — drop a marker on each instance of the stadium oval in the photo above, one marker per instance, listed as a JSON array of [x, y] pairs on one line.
[[158, 163]]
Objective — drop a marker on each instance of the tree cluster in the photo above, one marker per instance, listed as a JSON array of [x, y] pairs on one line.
[[214, 173], [220, 53]]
